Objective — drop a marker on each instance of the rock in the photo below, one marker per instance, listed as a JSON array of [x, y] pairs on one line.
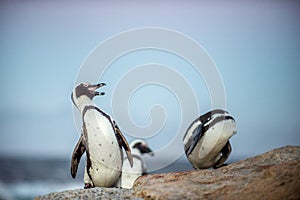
[[272, 175], [93, 193]]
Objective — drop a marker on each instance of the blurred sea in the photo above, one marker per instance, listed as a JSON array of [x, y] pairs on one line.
[[22, 179]]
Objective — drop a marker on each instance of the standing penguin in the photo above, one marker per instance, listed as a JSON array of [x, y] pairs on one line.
[[130, 174], [206, 141], [101, 139]]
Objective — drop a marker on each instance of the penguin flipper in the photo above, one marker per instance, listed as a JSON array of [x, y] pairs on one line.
[[197, 134], [226, 150], [123, 143], [77, 153]]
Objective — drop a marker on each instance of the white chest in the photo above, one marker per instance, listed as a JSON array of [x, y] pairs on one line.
[[103, 146]]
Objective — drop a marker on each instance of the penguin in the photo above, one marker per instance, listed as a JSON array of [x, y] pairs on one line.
[[101, 140], [129, 175], [206, 141]]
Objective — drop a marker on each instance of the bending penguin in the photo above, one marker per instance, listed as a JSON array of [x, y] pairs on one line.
[[130, 174], [206, 141], [101, 139]]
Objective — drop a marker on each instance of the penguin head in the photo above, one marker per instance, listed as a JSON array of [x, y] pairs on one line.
[[85, 91], [141, 146]]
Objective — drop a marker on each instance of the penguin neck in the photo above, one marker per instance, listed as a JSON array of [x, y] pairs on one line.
[[84, 101], [136, 152]]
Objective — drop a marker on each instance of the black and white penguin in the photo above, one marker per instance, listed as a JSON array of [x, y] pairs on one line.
[[101, 139], [130, 174], [206, 141]]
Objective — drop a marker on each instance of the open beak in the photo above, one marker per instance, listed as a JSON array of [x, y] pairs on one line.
[[93, 88]]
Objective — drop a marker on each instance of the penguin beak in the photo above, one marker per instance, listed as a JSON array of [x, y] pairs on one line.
[[147, 150], [93, 88]]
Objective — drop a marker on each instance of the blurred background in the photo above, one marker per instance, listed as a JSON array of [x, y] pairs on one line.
[[254, 45]]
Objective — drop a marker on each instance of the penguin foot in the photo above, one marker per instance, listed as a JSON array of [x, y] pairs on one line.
[[223, 165], [87, 186]]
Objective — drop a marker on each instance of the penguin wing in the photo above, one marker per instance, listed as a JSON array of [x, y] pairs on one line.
[[77, 153], [226, 150], [197, 134], [123, 142]]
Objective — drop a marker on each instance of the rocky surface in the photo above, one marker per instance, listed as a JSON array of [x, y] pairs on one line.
[[272, 175], [94, 193]]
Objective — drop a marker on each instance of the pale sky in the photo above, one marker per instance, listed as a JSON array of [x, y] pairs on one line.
[[255, 47]]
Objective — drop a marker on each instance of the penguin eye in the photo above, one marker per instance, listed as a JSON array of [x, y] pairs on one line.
[[85, 85]]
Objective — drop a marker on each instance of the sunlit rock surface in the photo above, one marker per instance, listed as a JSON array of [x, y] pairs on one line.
[[272, 175]]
